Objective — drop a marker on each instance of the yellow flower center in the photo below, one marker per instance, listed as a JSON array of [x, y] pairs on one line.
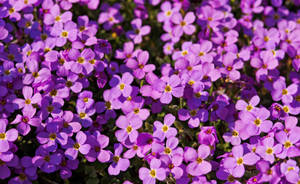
[[52, 136], [35, 74], [269, 151], [240, 161], [57, 18], [76, 146], [165, 128], [235, 133], [53, 92], [64, 34], [152, 173], [168, 88], [136, 110], [129, 129], [82, 115], [185, 52], [191, 82], [2, 136], [167, 150], [257, 122], [287, 144], [201, 54], [168, 13], [80, 60], [249, 107], [86, 99], [12, 10], [116, 159], [47, 158], [286, 109], [122, 86], [108, 105], [284, 92], [266, 38], [69, 84], [199, 160], [183, 23]]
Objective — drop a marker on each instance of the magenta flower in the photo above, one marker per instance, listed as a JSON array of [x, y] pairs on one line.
[[149, 176], [6, 137], [198, 165], [240, 159]]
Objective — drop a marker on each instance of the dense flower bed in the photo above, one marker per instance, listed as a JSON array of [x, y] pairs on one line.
[[137, 91]]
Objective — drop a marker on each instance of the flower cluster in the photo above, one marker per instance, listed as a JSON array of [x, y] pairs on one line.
[[176, 91]]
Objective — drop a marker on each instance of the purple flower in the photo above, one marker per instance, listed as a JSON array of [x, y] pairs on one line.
[[138, 31], [267, 62], [118, 163], [288, 142], [55, 17], [183, 25], [256, 121], [149, 176], [128, 127], [121, 85], [51, 136], [98, 142], [231, 67], [290, 170], [237, 161], [45, 161], [24, 121], [6, 136], [64, 32], [244, 106], [169, 86], [198, 165], [267, 149], [78, 146], [29, 99], [281, 92], [85, 100], [140, 67], [162, 131]]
